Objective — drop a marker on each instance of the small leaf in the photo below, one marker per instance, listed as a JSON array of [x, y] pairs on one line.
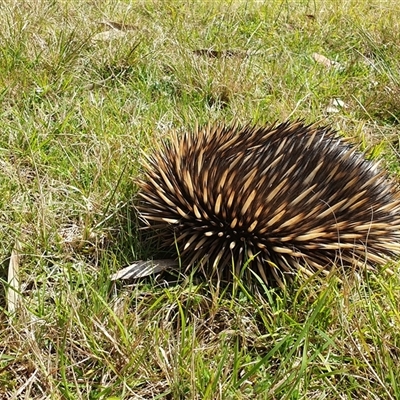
[[218, 53], [339, 103], [140, 269], [335, 105], [117, 25], [326, 62], [332, 109]]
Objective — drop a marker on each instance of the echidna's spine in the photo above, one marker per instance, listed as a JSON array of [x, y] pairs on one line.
[[289, 197]]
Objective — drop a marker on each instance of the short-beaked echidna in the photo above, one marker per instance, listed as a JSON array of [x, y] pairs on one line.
[[285, 198]]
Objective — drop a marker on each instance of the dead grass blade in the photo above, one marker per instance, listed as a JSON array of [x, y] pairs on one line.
[[13, 290]]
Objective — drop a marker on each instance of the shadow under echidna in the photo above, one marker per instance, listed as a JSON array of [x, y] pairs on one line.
[[278, 199]]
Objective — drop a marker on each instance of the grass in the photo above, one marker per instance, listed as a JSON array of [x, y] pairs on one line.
[[80, 100]]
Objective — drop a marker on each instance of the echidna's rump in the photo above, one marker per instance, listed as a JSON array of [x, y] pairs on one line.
[[288, 197]]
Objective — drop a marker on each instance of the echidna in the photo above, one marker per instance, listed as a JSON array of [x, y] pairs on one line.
[[284, 198]]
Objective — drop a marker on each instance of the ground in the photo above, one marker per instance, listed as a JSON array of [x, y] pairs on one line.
[[87, 88]]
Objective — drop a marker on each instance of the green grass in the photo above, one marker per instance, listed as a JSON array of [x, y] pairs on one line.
[[77, 109]]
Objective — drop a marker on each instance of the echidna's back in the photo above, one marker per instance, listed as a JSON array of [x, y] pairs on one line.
[[289, 196]]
